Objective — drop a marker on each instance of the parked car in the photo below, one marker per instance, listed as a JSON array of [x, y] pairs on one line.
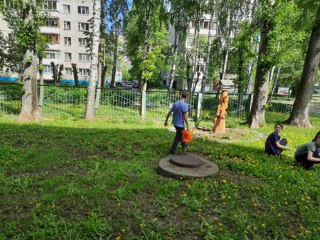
[[135, 84], [123, 84], [120, 84]]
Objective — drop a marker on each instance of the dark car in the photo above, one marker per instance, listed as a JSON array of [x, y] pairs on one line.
[[135, 84], [124, 84], [120, 84]]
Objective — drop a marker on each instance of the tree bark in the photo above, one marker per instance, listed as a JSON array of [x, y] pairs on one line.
[[173, 63], [94, 60], [98, 94], [115, 50], [29, 109], [300, 112], [257, 114], [143, 84], [41, 90], [75, 74]]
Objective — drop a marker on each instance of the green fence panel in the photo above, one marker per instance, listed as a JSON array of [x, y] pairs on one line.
[[10, 98], [119, 103]]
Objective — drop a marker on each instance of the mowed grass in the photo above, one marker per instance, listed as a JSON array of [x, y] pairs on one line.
[[72, 179]]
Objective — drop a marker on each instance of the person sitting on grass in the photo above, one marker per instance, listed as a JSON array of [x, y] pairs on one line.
[[309, 153], [273, 145]]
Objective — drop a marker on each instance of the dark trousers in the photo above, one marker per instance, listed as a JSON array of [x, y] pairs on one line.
[[302, 159], [283, 142], [177, 139]]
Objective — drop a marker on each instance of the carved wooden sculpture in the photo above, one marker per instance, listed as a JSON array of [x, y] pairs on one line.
[[220, 118]]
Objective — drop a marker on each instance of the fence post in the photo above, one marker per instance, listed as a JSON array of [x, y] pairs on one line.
[[143, 104], [199, 105]]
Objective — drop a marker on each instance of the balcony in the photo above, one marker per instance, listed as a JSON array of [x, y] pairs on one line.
[[50, 30]]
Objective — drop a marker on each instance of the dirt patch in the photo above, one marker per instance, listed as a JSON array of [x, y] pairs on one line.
[[231, 135]]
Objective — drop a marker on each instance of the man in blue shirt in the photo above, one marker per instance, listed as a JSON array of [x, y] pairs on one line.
[[180, 116]]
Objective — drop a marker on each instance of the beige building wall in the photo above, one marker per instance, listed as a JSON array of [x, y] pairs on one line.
[[66, 25]]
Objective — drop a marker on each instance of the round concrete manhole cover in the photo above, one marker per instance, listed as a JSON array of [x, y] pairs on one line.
[[186, 160], [190, 165]]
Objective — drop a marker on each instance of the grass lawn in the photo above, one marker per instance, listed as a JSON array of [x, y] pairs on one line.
[[71, 179]]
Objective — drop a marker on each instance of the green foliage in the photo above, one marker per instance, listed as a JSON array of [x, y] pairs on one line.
[[24, 19], [135, 28]]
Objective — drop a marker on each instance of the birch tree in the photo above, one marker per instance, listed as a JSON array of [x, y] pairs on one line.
[[116, 12], [89, 114], [24, 20]]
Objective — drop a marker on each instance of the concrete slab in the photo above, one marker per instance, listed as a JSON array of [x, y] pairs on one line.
[[168, 167], [186, 160]]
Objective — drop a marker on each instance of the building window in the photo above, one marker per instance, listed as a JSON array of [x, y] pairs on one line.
[[52, 55], [68, 71], [83, 10], [53, 38], [84, 57], [84, 72], [67, 41], [83, 26], [52, 22], [47, 69], [83, 42], [67, 56], [49, 5], [66, 25], [206, 24], [66, 9]]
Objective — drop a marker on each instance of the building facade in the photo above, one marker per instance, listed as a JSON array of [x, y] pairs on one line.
[[65, 28]]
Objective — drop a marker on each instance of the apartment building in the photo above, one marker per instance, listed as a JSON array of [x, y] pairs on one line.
[[65, 29]]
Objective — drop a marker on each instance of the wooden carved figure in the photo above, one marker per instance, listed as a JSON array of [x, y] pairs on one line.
[[220, 118]]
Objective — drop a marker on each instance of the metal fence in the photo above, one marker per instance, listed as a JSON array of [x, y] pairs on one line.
[[71, 101], [10, 98]]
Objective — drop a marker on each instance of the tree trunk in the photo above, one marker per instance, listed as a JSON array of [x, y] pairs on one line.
[[115, 51], [103, 74], [54, 73], [196, 57], [300, 112], [60, 73], [173, 64], [29, 109], [75, 74], [208, 55], [41, 92], [144, 58], [94, 60], [257, 114], [274, 84], [97, 101]]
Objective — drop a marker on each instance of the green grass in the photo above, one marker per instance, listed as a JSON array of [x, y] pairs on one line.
[[72, 179]]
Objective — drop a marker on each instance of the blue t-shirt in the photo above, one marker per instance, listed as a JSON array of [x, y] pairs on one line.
[[178, 108], [270, 145]]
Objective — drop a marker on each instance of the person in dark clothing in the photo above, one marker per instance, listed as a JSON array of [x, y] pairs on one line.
[[309, 153], [273, 144], [180, 116]]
